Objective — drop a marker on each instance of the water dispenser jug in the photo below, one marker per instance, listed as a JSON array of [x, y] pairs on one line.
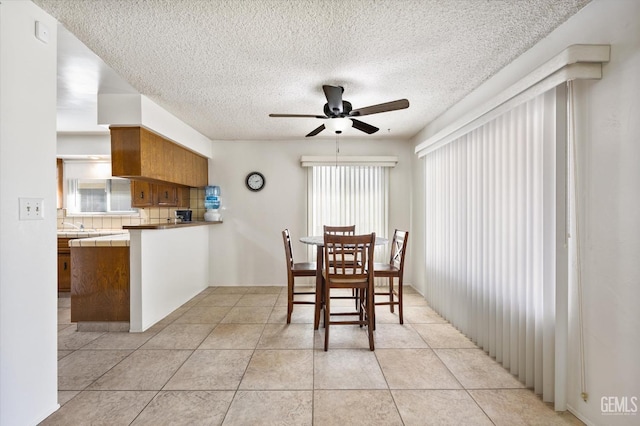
[[212, 198], [212, 204]]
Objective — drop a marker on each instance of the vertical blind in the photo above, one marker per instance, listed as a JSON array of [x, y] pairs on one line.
[[349, 195], [491, 237]]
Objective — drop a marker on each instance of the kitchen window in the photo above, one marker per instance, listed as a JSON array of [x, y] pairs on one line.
[[106, 196]]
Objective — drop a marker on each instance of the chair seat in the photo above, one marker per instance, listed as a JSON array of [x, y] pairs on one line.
[[307, 269], [385, 270], [347, 281]]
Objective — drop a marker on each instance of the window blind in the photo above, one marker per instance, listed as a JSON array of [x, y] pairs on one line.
[[349, 195], [494, 211]]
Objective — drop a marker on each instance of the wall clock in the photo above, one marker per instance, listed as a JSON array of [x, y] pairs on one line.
[[255, 181]]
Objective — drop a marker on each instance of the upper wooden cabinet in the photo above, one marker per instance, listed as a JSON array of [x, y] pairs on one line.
[[142, 194], [147, 194], [138, 153], [167, 195]]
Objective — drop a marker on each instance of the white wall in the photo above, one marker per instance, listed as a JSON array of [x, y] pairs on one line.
[[247, 248], [609, 202], [609, 162], [168, 268], [71, 145], [28, 288]]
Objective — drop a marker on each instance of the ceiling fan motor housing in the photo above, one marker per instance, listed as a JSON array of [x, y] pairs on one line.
[[346, 110]]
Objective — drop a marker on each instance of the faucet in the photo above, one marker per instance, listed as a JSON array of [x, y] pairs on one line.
[[81, 227], [177, 218]]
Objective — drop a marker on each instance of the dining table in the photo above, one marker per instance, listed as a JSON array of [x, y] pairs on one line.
[[318, 241]]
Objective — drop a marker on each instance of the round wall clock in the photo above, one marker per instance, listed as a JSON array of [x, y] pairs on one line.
[[255, 181]]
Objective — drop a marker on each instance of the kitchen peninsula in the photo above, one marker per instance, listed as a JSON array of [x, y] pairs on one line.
[[163, 265], [100, 283]]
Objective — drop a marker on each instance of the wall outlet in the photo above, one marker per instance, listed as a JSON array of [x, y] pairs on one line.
[[31, 209]]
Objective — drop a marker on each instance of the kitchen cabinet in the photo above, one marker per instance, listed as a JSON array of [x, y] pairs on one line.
[[146, 194], [184, 197], [140, 154], [142, 194], [100, 284], [167, 196], [64, 265]]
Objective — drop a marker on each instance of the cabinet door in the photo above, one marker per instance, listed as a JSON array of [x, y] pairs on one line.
[[142, 193], [184, 197], [167, 195], [64, 271]]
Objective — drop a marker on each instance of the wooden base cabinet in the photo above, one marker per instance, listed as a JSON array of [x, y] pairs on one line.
[[100, 284], [64, 265]]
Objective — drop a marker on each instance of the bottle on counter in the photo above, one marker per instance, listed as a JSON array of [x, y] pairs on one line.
[[212, 203]]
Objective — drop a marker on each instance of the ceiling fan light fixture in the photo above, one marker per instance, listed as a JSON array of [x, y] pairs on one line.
[[338, 124]]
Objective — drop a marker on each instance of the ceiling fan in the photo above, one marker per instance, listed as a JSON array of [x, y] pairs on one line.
[[340, 114]]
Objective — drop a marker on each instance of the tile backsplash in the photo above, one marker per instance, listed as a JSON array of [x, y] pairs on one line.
[[148, 215]]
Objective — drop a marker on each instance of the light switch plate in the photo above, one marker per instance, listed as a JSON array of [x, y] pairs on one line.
[[31, 208]]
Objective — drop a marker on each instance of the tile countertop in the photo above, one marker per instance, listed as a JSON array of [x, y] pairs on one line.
[[64, 233], [114, 240], [170, 225]]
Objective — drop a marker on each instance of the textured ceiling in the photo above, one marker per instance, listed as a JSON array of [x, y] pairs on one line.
[[223, 65]]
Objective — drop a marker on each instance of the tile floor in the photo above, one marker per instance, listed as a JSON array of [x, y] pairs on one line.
[[228, 357]]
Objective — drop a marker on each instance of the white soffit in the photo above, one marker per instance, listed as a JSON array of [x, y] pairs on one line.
[[580, 61], [124, 110]]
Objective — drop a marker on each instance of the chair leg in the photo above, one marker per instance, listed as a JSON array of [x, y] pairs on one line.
[[360, 300], [400, 303], [319, 301], [354, 293], [327, 315], [290, 301], [370, 307], [391, 294], [373, 309]]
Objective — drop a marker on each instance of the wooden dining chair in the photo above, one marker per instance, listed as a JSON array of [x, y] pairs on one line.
[[393, 269], [339, 273], [339, 230], [302, 269], [343, 230]]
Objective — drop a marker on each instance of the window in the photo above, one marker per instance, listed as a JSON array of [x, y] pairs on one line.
[[349, 195], [99, 196]]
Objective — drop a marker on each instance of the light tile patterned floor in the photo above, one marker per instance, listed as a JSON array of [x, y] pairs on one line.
[[227, 357]]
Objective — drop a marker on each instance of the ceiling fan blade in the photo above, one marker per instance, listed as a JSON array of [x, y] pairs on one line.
[[385, 107], [315, 131], [364, 127], [334, 98], [297, 115]]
